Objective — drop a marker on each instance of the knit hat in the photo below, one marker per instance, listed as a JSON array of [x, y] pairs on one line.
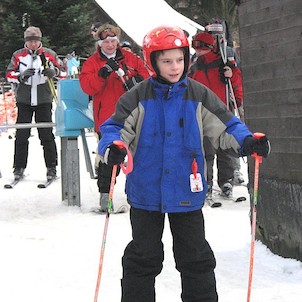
[[32, 33], [108, 30], [203, 41]]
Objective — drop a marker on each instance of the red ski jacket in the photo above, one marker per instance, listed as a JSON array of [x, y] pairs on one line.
[[206, 71], [106, 92]]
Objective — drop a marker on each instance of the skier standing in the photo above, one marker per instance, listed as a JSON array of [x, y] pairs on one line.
[[105, 76], [163, 121], [34, 98], [210, 70]]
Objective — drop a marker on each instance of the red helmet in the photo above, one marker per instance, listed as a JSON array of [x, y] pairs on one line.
[[164, 38]]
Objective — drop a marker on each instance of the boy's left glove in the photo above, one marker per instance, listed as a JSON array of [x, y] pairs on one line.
[[253, 145], [114, 155]]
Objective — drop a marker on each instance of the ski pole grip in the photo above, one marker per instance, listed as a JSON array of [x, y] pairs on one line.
[[258, 135], [128, 166]]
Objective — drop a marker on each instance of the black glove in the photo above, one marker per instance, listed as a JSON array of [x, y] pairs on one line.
[[132, 82], [49, 72], [111, 65], [114, 155], [259, 146], [27, 74], [222, 70]]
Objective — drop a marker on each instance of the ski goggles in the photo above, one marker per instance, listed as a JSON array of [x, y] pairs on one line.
[[94, 28], [107, 33], [196, 44]]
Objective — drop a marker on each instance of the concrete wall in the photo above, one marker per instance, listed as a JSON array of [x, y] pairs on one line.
[[271, 61]]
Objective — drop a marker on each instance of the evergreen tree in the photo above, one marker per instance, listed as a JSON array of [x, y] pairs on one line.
[[64, 25]]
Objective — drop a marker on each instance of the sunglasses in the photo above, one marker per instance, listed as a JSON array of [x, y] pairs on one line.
[[200, 44], [106, 33]]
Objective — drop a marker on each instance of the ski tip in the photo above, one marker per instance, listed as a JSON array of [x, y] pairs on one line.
[[216, 204], [8, 186], [240, 199]]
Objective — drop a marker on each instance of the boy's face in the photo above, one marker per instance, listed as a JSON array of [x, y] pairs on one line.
[[171, 64]]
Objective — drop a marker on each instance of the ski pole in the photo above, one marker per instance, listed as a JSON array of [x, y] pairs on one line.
[[229, 88], [109, 209], [258, 161], [50, 81], [127, 168], [120, 72]]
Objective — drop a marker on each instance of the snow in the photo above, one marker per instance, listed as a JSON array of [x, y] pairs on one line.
[[50, 251]]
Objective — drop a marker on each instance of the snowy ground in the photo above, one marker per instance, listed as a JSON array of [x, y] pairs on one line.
[[50, 252]]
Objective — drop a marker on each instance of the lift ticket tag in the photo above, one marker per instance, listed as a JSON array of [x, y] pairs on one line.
[[196, 183]]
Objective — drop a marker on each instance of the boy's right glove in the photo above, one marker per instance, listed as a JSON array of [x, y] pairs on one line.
[[253, 145], [111, 65], [114, 155]]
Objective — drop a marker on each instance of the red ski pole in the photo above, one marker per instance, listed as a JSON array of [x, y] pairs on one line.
[[127, 168], [109, 209], [258, 161]]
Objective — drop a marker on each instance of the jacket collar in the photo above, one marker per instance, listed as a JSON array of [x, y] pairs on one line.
[[168, 90]]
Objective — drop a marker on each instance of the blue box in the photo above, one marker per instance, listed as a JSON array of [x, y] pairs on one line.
[[72, 113]]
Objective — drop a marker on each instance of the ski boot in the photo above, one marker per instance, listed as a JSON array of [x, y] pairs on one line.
[[18, 173], [226, 190], [238, 177], [51, 173]]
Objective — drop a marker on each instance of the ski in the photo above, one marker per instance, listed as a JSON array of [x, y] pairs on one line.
[[235, 199], [44, 185], [12, 184], [122, 209]]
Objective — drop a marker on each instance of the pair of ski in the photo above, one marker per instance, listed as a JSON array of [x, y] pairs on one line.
[[214, 202], [42, 185]]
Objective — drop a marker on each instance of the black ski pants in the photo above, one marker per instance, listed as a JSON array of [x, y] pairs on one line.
[[104, 173], [42, 113], [226, 164], [144, 255]]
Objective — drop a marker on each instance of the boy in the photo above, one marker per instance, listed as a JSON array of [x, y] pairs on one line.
[[163, 120]]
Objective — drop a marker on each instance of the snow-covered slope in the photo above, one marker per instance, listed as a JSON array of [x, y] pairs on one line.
[[50, 252]]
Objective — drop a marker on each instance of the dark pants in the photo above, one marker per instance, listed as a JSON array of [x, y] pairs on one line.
[[226, 164], [104, 173], [144, 255], [42, 113]]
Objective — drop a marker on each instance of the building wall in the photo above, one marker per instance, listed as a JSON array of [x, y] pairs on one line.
[[271, 62]]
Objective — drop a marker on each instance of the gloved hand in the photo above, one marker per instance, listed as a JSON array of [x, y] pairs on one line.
[[259, 146], [114, 155], [49, 72], [27, 74], [225, 71], [111, 65], [132, 82]]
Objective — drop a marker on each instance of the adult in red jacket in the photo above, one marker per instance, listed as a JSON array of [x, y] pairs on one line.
[[105, 76], [210, 70]]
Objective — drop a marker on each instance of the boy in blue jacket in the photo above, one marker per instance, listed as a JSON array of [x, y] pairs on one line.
[[163, 121]]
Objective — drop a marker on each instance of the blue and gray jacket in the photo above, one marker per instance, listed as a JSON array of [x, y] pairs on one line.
[[164, 126]]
